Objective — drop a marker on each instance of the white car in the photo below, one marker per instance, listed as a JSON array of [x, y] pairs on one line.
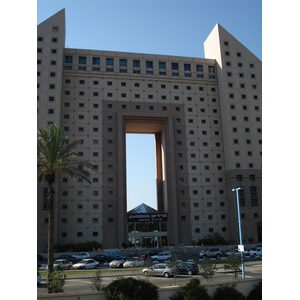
[[81, 255], [87, 263], [256, 252], [162, 256], [134, 262], [118, 262]]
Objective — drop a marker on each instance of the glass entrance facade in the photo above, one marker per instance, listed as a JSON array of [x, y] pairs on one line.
[[147, 227]]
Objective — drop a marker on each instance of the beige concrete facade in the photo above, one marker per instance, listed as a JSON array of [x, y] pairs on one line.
[[99, 96]]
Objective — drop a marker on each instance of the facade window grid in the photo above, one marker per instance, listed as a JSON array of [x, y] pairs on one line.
[[200, 109]]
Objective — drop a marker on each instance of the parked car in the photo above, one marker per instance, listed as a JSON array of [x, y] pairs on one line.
[[62, 264], [236, 252], [87, 263], [118, 262], [152, 253], [159, 270], [189, 268], [81, 255], [113, 254], [211, 252], [134, 262], [39, 278], [162, 256], [68, 257], [101, 258], [256, 252]]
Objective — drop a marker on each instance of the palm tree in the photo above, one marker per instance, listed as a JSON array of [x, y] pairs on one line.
[[55, 156]]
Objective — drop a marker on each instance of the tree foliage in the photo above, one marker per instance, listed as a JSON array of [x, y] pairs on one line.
[[208, 269], [228, 293], [57, 156], [191, 291], [56, 282], [256, 293], [131, 288], [233, 262], [96, 281]]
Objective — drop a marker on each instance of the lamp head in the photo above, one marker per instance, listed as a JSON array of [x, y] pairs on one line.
[[238, 188]]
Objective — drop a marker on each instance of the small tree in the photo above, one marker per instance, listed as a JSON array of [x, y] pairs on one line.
[[56, 282], [96, 281], [208, 270], [233, 262]]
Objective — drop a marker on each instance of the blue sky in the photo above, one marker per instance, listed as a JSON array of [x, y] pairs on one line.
[[170, 27]]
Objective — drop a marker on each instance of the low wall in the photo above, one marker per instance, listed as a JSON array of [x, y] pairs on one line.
[[242, 285]]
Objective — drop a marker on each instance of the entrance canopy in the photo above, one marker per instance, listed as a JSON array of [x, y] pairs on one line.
[[145, 213]]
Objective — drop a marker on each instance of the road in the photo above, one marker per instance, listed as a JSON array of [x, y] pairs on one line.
[[83, 283]]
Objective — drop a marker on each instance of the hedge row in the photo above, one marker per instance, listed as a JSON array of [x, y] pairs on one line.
[[88, 246]]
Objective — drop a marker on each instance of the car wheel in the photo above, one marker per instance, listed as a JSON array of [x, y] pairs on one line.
[[204, 256], [218, 256], [69, 267], [83, 268], [190, 272], [146, 273], [167, 275]]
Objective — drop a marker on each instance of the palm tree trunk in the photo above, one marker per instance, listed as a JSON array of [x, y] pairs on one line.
[[51, 194]]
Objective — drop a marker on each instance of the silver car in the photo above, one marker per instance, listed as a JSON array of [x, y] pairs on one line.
[[62, 264], [159, 270], [211, 252]]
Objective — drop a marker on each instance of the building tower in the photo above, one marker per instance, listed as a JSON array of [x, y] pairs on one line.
[[205, 114]]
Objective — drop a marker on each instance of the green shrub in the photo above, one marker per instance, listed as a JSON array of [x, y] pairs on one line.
[[131, 288], [96, 281], [191, 291], [228, 293], [256, 293], [88, 246], [56, 281]]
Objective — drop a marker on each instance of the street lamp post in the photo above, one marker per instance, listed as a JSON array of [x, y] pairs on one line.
[[240, 225]]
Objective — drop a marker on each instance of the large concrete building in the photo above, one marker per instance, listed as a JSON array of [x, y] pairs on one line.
[[205, 114]]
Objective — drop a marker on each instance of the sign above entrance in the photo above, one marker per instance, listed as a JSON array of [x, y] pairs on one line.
[[147, 217]]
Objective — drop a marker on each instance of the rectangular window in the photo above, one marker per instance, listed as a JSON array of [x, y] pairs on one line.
[[162, 65], [82, 60], [123, 62], [96, 60], [174, 66], [187, 67], [149, 64], [199, 68], [109, 61], [136, 63], [211, 69]]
